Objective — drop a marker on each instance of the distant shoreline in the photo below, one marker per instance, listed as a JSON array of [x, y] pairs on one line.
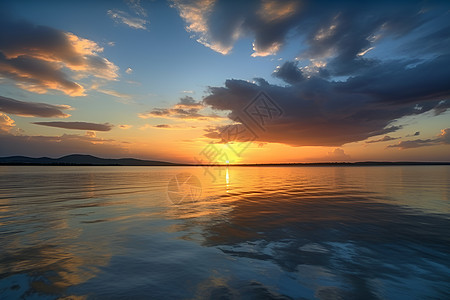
[[89, 160], [356, 164]]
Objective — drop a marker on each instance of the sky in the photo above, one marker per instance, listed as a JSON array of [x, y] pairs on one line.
[[217, 81]]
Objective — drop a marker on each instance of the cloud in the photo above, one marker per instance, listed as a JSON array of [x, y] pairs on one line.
[[187, 108], [386, 138], [414, 144], [125, 126], [162, 126], [6, 123], [189, 102], [289, 72], [39, 58], [122, 17], [442, 138], [219, 24], [91, 134], [417, 133], [338, 155], [125, 97], [129, 70], [78, 125], [345, 31], [320, 112], [196, 15], [32, 109], [445, 136], [136, 7], [342, 88]]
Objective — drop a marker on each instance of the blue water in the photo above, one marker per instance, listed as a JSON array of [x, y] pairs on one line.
[[252, 233]]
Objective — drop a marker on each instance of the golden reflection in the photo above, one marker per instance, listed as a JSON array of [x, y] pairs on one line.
[[227, 178]]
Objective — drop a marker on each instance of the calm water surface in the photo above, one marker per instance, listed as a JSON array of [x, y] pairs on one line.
[[253, 233]]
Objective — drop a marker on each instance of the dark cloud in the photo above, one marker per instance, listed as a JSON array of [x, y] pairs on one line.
[[162, 126], [396, 82], [32, 56], [32, 109], [386, 138], [340, 29], [340, 93], [289, 72], [77, 125], [442, 107], [317, 112], [436, 41]]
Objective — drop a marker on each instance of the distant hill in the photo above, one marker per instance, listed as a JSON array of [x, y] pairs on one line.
[[82, 160]]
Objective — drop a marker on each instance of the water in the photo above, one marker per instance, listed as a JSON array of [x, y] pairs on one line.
[[253, 233]]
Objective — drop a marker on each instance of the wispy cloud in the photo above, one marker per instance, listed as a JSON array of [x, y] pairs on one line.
[[187, 108], [124, 98], [386, 138], [442, 138], [136, 7], [124, 18], [78, 125], [32, 109]]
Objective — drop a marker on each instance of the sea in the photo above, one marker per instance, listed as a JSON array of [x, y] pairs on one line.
[[236, 232]]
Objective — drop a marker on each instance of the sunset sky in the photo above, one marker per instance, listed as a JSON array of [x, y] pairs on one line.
[[215, 80]]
